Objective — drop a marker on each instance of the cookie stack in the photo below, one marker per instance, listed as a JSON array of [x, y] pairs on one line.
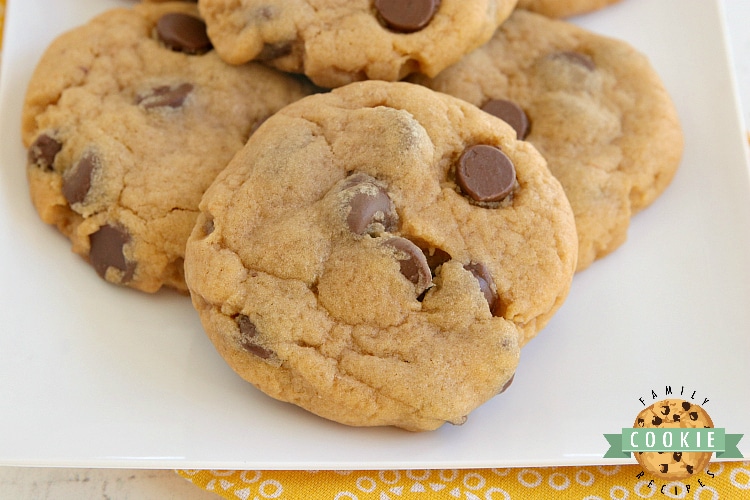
[[374, 205]]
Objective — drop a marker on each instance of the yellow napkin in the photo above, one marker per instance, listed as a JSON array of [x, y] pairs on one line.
[[730, 480]]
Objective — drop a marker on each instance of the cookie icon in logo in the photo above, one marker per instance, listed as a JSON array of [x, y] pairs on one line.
[[673, 413]]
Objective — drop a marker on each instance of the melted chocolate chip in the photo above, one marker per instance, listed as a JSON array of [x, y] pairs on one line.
[[484, 173], [511, 113], [165, 96], [412, 261], [576, 58], [248, 332], [406, 16], [77, 182], [107, 251], [368, 205], [43, 151], [483, 276], [183, 33]]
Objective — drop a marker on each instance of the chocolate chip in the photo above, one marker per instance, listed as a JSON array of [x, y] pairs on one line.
[[369, 204], [413, 262], [183, 33], [677, 456], [483, 276], [656, 420], [248, 334], [406, 16], [685, 405], [272, 51], [77, 181], [664, 468], [511, 113], [208, 226], [689, 468], [676, 417], [575, 58], [107, 251], [436, 257], [165, 96], [665, 410], [507, 384], [484, 173], [693, 415], [43, 151]]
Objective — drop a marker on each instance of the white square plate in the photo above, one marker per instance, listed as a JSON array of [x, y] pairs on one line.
[[99, 376]]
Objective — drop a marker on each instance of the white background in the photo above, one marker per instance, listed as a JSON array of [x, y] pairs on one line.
[[60, 483]]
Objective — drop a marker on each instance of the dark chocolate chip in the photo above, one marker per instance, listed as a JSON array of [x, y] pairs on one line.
[[165, 96], [507, 384], [406, 16], [483, 276], [689, 468], [271, 51], [665, 410], [107, 251], [412, 261], [183, 33], [369, 204], [685, 405], [676, 417], [693, 415], [248, 332], [576, 58], [43, 151], [77, 182], [656, 420], [677, 456], [664, 468], [511, 113], [484, 173]]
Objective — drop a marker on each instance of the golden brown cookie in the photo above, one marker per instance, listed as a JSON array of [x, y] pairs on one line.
[[128, 119], [673, 413], [338, 42], [341, 265], [593, 106], [563, 8]]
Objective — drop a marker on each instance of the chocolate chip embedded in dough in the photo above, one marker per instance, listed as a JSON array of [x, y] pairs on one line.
[[369, 204], [77, 181], [693, 415], [43, 151], [406, 16], [685, 405], [271, 51], [485, 173], [183, 33], [412, 261], [248, 332], [106, 250], [486, 283], [165, 96], [511, 113], [656, 420], [576, 58]]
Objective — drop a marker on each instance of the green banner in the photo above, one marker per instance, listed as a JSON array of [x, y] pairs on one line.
[[647, 439]]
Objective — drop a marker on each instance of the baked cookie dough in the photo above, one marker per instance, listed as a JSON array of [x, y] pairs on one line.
[[379, 254], [563, 8], [127, 120], [336, 42], [593, 106], [674, 413]]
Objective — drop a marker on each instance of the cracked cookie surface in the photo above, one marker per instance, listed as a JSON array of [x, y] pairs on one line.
[[595, 108], [339, 264], [128, 119], [336, 42]]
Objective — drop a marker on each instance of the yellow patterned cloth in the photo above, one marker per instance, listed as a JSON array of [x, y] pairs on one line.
[[730, 480]]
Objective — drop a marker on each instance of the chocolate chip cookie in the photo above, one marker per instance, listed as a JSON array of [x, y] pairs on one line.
[[338, 42], [563, 8], [127, 120], [378, 255], [674, 413], [593, 106]]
